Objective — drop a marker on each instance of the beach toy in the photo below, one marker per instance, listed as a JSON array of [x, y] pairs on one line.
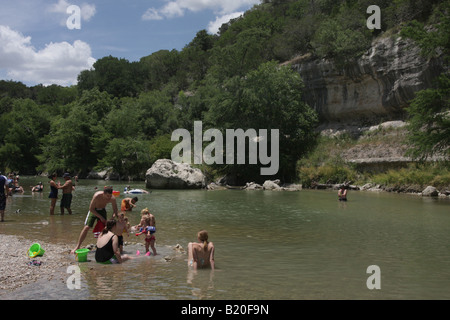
[[135, 191], [81, 255], [116, 193], [35, 250], [35, 263], [146, 229]]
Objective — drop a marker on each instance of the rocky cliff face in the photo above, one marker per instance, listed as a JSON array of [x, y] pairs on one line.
[[379, 85]]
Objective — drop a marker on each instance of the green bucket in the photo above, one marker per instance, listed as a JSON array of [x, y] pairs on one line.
[[35, 250], [81, 255]]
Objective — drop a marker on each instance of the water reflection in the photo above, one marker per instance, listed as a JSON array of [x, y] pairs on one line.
[[201, 283]]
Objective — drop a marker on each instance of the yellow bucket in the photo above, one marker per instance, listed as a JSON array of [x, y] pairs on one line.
[[35, 250], [81, 255]]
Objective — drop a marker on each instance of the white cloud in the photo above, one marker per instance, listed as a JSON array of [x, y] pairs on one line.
[[58, 63], [213, 26], [173, 9], [152, 14], [177, 8], [87, 11]]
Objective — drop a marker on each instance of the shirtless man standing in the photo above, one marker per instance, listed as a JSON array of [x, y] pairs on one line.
[[97, 211], [67, 188]]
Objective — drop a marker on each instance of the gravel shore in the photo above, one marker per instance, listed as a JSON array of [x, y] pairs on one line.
[[15, 270]]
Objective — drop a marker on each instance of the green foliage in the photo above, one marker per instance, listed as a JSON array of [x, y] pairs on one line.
[[245, 54], [68, 147], [269, 98], [423, 175], [342, 37], [161, 147], [330, 174], [24, 126], [127, 156], [429, 122]]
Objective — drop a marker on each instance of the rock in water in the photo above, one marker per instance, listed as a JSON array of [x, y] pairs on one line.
[[166, 174], [430, 192]]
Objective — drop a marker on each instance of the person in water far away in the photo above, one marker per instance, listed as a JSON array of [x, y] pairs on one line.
[[342, 193]]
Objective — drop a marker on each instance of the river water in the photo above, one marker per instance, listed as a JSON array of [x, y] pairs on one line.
[[269, 245]]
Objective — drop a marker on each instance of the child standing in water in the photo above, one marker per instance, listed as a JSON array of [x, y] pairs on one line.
[[121, 228], [147, 226], [201, 253]]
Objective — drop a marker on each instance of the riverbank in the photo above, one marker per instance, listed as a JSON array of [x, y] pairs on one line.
[[372, 158], [16, 270]]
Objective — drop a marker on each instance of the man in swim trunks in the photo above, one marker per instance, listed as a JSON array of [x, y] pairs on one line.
[[97, 211], [4, 191], [67, 188]]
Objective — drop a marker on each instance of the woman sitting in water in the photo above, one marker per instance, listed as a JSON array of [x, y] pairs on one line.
[[108, 251], [201, 253]]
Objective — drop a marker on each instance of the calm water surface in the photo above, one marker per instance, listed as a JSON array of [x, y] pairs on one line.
[[269, 245]]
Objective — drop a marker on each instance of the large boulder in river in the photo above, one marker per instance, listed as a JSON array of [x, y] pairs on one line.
[[430, 192], [166, 174]]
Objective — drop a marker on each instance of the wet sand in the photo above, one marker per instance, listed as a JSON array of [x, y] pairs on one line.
[[15, 272]]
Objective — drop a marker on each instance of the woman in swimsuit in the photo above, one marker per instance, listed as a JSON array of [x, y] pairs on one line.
[[53, 193], [201, 253], [108, 251]]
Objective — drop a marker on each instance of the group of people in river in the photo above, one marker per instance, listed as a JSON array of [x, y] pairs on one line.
[[110, 231], [110, 240]]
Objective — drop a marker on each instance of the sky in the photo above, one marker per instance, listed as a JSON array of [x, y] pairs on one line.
[[52, 41]]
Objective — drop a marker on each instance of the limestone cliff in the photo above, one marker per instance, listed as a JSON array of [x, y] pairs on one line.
[[380, 84]]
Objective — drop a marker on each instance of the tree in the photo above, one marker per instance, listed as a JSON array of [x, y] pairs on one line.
[[247, 52], [158, 68], [68, 147], [127, 156], [195, 56], [429, 122], [27, 123], [73, 142], [116, 76], [267, 98], [342, 37]]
